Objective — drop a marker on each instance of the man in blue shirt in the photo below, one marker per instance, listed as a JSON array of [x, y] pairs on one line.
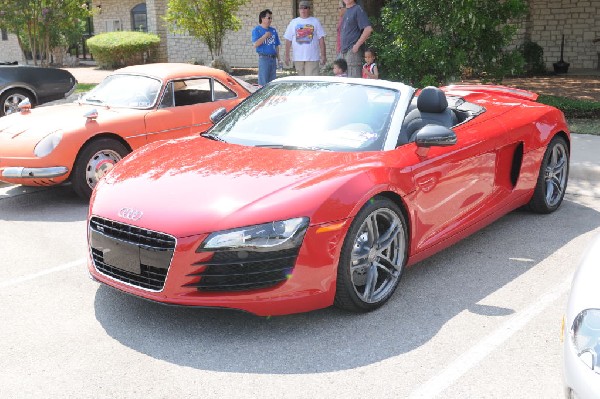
[[266, 42]]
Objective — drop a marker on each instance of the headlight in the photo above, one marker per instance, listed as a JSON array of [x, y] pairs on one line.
[[271, 236], [47, 144], [585, 335]]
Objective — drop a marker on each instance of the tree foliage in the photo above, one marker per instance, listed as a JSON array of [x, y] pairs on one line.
[[207, 20], [43, 25], [431, 42]]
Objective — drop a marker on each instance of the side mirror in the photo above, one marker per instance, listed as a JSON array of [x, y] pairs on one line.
[[25, 106], [218, 114], [435, 136]]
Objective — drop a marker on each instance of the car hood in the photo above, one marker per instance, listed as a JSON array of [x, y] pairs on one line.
[[196, 185], [22, 131]]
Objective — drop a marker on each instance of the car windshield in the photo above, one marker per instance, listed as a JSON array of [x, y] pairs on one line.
[[331, 116], [129, 91]]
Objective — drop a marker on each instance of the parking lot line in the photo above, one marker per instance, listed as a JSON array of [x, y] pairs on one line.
[[469, 359], [19, 280]]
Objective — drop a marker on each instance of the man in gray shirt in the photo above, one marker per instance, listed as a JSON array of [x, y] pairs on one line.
[[356, 29]]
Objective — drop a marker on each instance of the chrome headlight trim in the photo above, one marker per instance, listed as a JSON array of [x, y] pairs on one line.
[[585, 336], [48, 144]]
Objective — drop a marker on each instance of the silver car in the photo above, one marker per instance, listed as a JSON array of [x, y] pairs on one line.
[[582, 329]]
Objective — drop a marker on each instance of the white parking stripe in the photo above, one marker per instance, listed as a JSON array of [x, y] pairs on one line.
[[477, 353], [33, 276]]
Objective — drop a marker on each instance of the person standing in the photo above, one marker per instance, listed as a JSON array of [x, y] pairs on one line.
[[306, 37], [370, 70], [266, 42], [356, 29], [341, 12]]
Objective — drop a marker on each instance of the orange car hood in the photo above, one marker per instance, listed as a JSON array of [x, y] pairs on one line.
[[20, 132]]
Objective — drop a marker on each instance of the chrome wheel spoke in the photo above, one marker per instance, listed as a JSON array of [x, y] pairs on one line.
[[386, 239], [371, 285]]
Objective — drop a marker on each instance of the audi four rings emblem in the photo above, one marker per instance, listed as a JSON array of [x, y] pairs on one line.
[[131, 214]]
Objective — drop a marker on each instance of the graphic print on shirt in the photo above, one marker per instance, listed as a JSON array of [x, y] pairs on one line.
[[304, 33], [270, 40]]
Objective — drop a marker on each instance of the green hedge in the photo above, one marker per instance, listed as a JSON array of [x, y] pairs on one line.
[[117, 49]]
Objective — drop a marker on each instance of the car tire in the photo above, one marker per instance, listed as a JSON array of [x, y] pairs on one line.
[[10, 99], [553, 177], [373, 257], [95, 159]]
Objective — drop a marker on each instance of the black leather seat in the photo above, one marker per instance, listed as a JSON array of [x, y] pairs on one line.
[[432, 109]]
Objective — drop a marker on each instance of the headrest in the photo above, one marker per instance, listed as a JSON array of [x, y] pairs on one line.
[[432, 99]]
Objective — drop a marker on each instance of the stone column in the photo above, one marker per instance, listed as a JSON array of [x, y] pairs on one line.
[[155, 10]]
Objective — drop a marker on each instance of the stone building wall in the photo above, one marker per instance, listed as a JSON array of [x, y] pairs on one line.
[[115, 15], [237, 47], [10, 50], [578, 20]]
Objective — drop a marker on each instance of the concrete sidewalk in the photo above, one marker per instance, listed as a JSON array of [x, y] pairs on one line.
[[88, 74], [584, 173]]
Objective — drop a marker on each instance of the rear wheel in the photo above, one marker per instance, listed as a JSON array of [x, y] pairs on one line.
[[552, 180], [9, 101], [373, 257], [94, 161]]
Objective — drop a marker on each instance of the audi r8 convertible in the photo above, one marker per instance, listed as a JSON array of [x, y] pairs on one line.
[[320, 191], [81, 141], [581, 329], [34, 84]]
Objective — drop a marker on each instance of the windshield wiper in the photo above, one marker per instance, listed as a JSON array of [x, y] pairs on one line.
[[293, 147], [212, 136]]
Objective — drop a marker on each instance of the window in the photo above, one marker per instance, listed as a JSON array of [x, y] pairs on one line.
[[139, 21], [196, 91], [4, 35], [222, 92]]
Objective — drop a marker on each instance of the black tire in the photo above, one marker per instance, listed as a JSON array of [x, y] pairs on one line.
[[371, 265], [553, 177], [94, 160], [10, 99]]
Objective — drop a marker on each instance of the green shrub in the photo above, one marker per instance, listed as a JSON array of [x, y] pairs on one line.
[[434, 42], [116, 49], [533, 54]]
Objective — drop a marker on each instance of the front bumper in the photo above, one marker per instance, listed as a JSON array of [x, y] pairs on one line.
[[20, 172], [310, 286]]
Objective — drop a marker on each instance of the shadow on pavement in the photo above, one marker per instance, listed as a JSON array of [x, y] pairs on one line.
[[430, 294]]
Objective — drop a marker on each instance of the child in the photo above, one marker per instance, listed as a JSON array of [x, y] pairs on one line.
[[369, 69], [340, 67]]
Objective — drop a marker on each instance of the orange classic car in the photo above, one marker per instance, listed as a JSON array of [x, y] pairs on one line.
[[81, 141]]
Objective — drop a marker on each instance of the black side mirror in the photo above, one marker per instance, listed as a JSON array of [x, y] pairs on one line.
[[435, 136], [218, 114]]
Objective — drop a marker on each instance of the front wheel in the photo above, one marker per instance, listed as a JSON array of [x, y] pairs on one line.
[[10, 100], [552, 180], [94, 161], [373, 257]]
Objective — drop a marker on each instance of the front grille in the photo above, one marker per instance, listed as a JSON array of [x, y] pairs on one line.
[[244, 270], [130, 254]]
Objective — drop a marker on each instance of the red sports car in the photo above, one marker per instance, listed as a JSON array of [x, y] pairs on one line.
[[80, 142], [320, 191]]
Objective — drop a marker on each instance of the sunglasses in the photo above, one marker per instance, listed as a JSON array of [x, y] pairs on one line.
[[304, 7]]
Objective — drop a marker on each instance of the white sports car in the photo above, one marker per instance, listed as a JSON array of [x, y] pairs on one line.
[[582, 329]]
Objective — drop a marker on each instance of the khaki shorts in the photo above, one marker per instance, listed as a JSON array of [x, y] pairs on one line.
[[307, 68]]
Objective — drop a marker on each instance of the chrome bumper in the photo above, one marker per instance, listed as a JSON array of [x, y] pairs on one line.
[[19, 172]]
